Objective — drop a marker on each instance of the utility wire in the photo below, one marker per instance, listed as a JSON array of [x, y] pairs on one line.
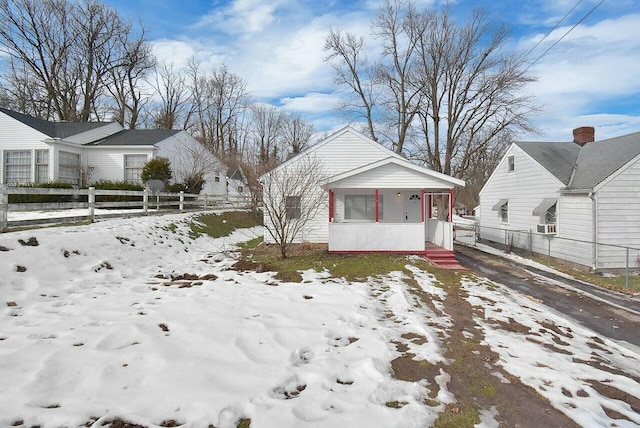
[[554, 27], [564, 35]]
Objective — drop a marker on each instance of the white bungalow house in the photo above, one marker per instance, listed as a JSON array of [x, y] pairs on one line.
[[33, 150], [583, 191], [376, 200]]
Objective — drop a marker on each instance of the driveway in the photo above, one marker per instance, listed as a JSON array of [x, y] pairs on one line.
[[611, 314]]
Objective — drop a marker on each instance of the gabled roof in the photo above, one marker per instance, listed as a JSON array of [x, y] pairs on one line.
[[53, 129], [557, 158], [136, 137], [584, 167], [599, 160], [342, 131], [400, 162], [235, 173]]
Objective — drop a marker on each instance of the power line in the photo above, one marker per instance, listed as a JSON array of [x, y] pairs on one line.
[[554, 27], [564, 35]]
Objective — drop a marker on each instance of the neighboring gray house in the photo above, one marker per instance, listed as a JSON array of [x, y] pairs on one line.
[[33, 150], [585, 191]]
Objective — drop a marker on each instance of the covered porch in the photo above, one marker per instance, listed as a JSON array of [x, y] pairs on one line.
[[389, 207]]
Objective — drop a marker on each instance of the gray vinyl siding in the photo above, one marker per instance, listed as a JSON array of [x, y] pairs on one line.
[[575, 229], [108, 162], [391, 176]]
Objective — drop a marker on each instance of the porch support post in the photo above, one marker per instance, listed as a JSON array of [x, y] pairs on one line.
[[331, 208], [430, 202], [377, 213], [422, 203], [450, 205]]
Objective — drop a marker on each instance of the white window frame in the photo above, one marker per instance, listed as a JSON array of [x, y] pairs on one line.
[[42, 166], [133, 172], [504, 213], [69, 167], [25, 167], [366, 201], [551, 215]]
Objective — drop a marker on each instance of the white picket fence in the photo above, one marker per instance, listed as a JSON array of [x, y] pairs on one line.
[[146, 202]]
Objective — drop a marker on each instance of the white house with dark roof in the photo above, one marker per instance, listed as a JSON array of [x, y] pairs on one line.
[[33, 150], [585, 191], [376, 200]]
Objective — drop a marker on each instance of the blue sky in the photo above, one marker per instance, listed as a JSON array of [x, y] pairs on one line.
[[591, 77]]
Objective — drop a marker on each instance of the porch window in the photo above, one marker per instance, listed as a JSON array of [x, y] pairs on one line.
[[293, 207], [362, 207], [504, 213], [17, 166], [69, 167], [42, 166], [133, 165]]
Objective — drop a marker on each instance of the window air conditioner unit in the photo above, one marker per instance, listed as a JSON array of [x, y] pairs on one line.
[[547, 229]]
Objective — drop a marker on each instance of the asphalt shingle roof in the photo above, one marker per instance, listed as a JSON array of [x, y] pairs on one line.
[[584, 167], [136, 137], [53, 129]]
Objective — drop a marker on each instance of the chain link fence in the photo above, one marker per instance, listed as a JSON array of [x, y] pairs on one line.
[[555, 250]]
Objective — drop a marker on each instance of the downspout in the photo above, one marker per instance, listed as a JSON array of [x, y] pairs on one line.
[[594, 230]]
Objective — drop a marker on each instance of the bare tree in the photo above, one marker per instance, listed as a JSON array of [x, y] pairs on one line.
[[267, 128], [171, 88], [126, 81], [69, 49], [346, 53], [296, 133], [292, 198]]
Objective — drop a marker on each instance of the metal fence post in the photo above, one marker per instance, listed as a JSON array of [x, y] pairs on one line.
[[626, 272], [181, 200], [145, 202], [4, 207], [205, 201], [92, 203], [549, 252], [530, 243]]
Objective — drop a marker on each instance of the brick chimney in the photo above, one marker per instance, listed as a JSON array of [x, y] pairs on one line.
[[584, 135]]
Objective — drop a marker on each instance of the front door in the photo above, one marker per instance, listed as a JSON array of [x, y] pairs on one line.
[[412, 207]]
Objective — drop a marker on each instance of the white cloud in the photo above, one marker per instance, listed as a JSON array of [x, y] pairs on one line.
[[241, 17], [312, 102]]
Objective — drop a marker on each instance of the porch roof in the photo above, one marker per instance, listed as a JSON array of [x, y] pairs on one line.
[[393, 173]]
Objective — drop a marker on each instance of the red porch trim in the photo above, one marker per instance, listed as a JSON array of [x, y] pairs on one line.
[[422, 203], [450, 205], [430, 210], [331, 206], [377, 213]]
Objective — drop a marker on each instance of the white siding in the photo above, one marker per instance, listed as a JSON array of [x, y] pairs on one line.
[[14, 135], [108, 162], [344, 152], [524, 188], [575, 229], [391, 176], [618, 216]]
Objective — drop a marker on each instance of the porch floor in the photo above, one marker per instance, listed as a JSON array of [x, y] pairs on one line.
[[442, 258]]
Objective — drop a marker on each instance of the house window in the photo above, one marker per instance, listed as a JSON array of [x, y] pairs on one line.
[[216, 178], [504, 213], [362, 207], [133, 165], [240, 189], [511, 164], [17, 167], [293, 207], [69, 167], [42, 166], [550, 215]]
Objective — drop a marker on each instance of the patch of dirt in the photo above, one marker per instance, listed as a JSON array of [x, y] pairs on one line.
[[600, 365], [472, 382], [163, 327], [615, 394], [4, 248], [557, 330], [20, 268], [119, 423]]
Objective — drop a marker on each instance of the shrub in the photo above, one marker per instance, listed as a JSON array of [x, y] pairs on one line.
[[42, 199], [117, 185], [177, 188], [157, 169], [194, 183]]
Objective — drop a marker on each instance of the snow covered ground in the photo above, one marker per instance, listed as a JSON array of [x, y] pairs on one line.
[[132, 319]]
